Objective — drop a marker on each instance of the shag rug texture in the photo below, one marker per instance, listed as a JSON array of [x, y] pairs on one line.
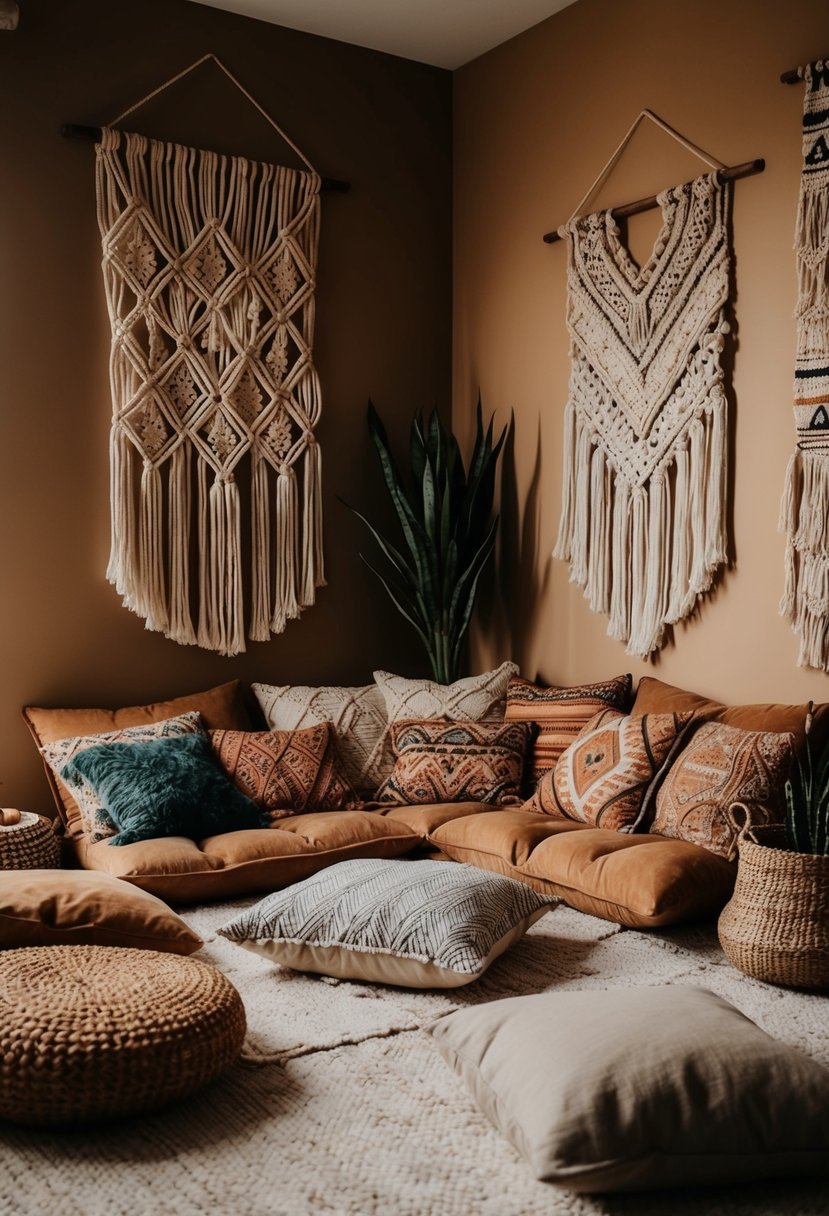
[[343, 1106]]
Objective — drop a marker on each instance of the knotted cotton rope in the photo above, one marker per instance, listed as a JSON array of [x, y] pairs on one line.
[[209, 268]]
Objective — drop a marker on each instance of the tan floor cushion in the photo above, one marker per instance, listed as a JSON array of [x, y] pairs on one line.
[[424, 819], [642, 881], [239, 863]]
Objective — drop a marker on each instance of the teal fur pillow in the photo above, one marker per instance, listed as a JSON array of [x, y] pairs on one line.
[[170, 787]]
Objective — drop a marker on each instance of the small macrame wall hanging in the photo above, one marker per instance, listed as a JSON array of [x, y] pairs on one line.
[[643, 519], [804, 515], [209, 268]]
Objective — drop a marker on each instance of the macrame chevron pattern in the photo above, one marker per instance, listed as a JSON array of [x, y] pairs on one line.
[[209, 269], [430, 911], [643, 512], [804, 513]]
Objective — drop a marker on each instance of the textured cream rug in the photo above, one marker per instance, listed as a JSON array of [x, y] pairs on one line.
[[351, 1111]]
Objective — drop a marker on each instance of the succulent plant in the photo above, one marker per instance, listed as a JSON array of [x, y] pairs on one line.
[[448, 530]]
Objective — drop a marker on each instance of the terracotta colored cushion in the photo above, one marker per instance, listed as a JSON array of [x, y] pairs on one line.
[[75, 907], [561, 713], [424, 819], [258, 859], [439, 761], [221, 708], [286, 771], [720, 765], [606, 776], [655, 697], [643, 881]]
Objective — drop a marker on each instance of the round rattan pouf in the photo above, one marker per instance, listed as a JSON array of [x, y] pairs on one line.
[[30, 844], [92, 1032]]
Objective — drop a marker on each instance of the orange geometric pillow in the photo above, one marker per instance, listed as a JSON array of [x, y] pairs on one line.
[[286, 771], [605, 776], [561, 713], [443, 761], [723, 764]]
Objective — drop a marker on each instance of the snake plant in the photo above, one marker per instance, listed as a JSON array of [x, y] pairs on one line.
[[444, 512], [807, 800]]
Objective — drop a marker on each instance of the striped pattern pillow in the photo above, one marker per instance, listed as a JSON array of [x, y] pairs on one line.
[[605, 777], [561, 713], [418, 924]]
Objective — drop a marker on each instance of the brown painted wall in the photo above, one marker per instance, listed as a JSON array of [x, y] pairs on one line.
[[535, 120], [383, 329]]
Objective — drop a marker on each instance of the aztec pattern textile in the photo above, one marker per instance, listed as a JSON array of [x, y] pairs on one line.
[[209, 267], [561, 713], [97, 824], [643, 515], [430, 915], [286, 772], [440, 761], [721, 765], [606, 775], [804, 513]]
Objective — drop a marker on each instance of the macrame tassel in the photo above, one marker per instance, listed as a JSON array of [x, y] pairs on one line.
[[650, 628], [286, 606], [715, 533], [787, 524], [803, 515], [638, 571], [638, 323], [224, 573], [564, 540], [619, 624], [181, 625], [680, 597], [597, 591], [207, 632], [260, 552], [153, 602], [579, 544], [313, 566], [697, 500], [122, 569]]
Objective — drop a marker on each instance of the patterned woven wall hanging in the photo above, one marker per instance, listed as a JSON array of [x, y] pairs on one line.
[[804, 515], [209, 266], [643, 506]]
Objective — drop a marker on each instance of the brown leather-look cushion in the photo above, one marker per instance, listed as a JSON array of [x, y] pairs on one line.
[[655, 697], [424, 819], [643, 881], [75, 907], [221, 708], [240, 863]]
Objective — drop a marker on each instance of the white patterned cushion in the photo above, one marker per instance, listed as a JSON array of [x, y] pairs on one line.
[[469, 700], [418, 924], [96, 822], [358, 716]]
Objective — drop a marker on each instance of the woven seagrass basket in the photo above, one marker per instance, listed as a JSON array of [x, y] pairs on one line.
[[29, 843], [775, 927]]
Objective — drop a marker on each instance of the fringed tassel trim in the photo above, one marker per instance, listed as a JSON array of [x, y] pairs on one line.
[[803, 517]]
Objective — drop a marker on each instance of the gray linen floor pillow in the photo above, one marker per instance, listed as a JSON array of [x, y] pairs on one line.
[[418, 924], [638, 1089]]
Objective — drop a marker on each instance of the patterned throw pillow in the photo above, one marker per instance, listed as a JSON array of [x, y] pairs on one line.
[[286, 771], [439, 761], [169, 787], [358, 716], [561, 713], [723, 764], [419, 924], [606, 775], [97, 824], [469, 700]]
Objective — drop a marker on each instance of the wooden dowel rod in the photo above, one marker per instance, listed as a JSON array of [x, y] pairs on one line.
[[790, 77], [74, 130], [747, 169]]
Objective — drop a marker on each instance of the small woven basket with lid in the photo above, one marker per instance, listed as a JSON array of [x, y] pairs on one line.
[[27, 842]]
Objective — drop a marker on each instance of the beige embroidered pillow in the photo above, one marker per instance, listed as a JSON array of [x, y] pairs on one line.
[[471, 699], [723, 764], [439, 761], [605, 775], [561, 713], [358, 716]]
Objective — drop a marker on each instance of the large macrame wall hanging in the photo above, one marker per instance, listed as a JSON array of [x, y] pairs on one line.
[[209, 265], [805, 509], [643, 521]]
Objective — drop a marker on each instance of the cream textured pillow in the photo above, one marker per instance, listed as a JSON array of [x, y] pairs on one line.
[[639, 1089], [419, 924], [357, 714], [467, 700]]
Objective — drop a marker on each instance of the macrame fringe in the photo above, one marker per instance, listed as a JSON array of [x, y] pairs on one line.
[[260, 553], [805, 601], [645, 554]]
